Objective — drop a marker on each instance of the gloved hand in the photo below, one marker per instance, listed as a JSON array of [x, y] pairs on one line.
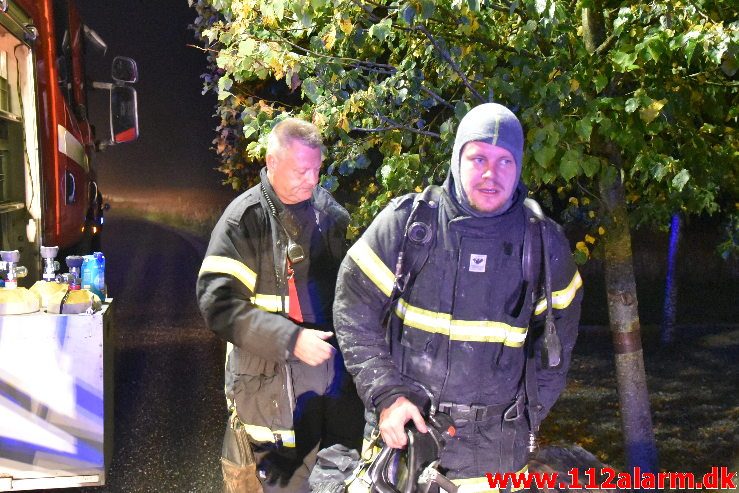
[[277, 469]]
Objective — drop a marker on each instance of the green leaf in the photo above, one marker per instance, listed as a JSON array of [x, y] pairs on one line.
[[278, 7], [689, 49], [624, 62], [427, 8], [446, 129], [656, 48], [591, 166], [461, 109], [385, 171], [408, 14], [545, 154], [224, 85], [716, 53], [601, 81], [310, 89], [632, 104], [659, 171], [569, 166], [622, 20], [381, 30], [681, 179], [579, 257], [246, 47], [690, 42], [584, 128], [250, 129]]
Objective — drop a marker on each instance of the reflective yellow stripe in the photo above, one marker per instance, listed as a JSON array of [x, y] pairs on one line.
[[270, 302], [488, 331], [460, 330], [561, 299], [426, 320], [372, 266], [226, 265], [264, 434], [475, 485]]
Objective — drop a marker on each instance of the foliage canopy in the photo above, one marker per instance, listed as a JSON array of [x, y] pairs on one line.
[[388, 81]]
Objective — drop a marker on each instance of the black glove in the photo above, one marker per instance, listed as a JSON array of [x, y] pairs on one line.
[[276, 468]]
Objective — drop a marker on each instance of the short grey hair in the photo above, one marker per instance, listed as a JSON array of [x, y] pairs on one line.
[[293, 129]]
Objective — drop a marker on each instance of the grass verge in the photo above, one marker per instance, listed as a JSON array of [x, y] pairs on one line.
[[694, 394]]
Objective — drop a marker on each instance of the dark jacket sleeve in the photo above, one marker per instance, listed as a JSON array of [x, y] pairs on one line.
[[363, 289], [226, 285], [566, 300]]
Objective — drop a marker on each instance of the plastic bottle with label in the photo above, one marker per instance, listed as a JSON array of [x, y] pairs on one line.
[[99, 282], [91, 274], [87, 271]]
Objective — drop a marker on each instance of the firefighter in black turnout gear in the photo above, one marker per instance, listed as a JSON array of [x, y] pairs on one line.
[[462, 310], [266, 286]]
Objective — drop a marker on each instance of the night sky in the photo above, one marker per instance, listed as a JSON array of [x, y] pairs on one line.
[[175, 122]]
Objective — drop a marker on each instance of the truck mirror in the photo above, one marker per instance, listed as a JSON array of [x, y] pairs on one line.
[[124, 70], [124, 117]]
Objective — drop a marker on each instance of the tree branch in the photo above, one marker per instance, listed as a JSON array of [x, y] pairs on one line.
[[446, 56], [587, 191], [604, 45], [400, 126], [437, 98], [354, 62], [393, 125]]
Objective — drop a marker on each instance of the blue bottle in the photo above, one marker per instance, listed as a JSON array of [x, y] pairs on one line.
[[90, 274], [99, 281], [87, 271]]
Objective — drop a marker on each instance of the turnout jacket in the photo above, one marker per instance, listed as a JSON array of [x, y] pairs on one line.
[[460, 326], [242, 291]]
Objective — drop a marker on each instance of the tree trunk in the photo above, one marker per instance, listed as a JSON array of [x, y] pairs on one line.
[[669, 311], [636, 420]]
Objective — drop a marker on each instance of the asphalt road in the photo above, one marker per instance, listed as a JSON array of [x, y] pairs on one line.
[[169, 404]]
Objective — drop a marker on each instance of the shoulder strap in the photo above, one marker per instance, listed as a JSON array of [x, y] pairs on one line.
[[551, 346], [418, 236]]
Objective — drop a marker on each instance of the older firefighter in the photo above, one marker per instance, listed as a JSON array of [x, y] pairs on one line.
[[266, 286], [458, 314]]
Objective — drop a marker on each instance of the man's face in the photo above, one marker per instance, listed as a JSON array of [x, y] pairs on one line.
[[488, 175], [293, 172]]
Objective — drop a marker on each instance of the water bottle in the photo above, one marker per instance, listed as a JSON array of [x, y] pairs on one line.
[[99, 286], [88, 272]]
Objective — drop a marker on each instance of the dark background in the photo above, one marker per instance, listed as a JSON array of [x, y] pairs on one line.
[[175, 119]]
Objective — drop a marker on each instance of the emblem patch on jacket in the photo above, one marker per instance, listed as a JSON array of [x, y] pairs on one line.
[[477, 262]]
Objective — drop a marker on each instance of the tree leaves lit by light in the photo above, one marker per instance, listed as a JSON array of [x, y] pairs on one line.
[[388, 82]]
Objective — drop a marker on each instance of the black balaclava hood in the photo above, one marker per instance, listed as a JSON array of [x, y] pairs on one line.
[[493, 124]]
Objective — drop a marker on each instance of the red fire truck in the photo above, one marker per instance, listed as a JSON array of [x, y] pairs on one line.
[[48, 189]]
